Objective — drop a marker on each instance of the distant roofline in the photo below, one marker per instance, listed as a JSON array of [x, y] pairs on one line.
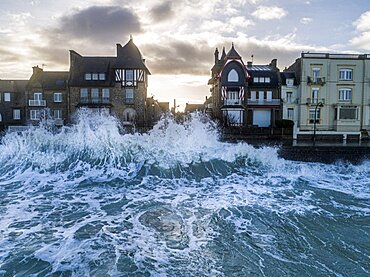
[[334, 56]]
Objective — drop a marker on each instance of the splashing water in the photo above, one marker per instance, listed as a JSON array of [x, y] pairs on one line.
[[90, 201]]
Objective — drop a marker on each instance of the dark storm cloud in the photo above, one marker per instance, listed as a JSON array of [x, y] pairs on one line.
[[100, 24], [162, 11], [6, 56], [180, 57]]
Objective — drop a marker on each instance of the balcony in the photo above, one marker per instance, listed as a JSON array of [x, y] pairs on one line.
[[58, 122], [314, 101], [316, 81], [37, 103], [271, 102], [231, 102]]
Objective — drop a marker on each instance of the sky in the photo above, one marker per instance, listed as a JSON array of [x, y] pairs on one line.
[[177, 38]]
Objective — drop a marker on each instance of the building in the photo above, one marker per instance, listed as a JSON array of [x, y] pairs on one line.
[[334, 93], [289, 96], [264, 95], [117, 84], [12, 103], [244, 95], [47, 97]]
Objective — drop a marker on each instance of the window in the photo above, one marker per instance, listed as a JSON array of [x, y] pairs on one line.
[[16, 114], [35, 114], [345, 74], [83, 95], [130, 95], [348, 113], [233, 76], [6, 96], [312, 116], [261, 95], [102, 76], [95, 95], [269, 96], [290, 114], [315, 95], [289, 82], [57, 97], [105, 95], [88, 76], [253, 95], [289, 97], [345, 94], [267, 79], [129, 115], [255, 80], [315, 73], [261, 79], [57, 114], [95, 76], [1, 117], [129, 75], [37, 96]]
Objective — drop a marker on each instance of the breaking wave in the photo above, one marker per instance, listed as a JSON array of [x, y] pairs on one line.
[[89, 200]]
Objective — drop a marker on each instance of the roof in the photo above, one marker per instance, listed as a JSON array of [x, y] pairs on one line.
[[288, 75], [54, 79], [193, 107], [263, 71], [129, 56], [13, 85], [233, 54]]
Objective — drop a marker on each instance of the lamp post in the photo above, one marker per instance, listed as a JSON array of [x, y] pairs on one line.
[[318, 104]]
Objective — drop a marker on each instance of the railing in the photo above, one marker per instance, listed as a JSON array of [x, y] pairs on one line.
[[231, 102], [37, 103], [313, 101], [316, 81], [264, 102]]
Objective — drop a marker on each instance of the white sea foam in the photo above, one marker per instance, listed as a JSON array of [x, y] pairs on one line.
[[150, 203]]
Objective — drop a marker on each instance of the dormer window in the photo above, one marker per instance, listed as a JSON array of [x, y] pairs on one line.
[[129, 75], [95, 76], [289, 82], [233, 76]]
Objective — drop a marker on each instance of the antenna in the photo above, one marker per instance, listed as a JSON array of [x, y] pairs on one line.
[[252, 56]]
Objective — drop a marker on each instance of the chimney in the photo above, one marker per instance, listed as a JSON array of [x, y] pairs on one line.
[[36, 69], [216, 55], [273, 63], [249, 64]]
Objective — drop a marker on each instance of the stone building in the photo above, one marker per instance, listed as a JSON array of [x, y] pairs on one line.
[[117, 84], [47, 97], [12, 103]]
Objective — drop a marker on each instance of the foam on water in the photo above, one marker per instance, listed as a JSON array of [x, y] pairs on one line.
[[89, 200]]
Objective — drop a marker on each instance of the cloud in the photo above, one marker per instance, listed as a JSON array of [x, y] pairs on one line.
[[162, 11], [269, 13], [362, 25], [99, 24], [306, 20]]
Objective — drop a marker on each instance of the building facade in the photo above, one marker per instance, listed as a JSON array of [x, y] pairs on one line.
[[334, 93], [244, 95], [117, 84]]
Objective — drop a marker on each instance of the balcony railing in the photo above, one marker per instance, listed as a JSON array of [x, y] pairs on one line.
[[37, 103], [230, 102], [316, 81], [264, 101], [58, 122], [314, 101]]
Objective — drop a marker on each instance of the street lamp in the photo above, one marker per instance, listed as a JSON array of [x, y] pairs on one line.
[[318, 104]]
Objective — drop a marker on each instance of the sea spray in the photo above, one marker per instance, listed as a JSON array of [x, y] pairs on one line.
[[91, 200]]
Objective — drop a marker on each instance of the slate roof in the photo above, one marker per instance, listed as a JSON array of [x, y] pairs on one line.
[[128, 57], [13, 85], [288, 75], [263, 71], [233, 54]]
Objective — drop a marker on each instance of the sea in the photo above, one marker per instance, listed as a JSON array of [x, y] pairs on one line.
[[92, 200]]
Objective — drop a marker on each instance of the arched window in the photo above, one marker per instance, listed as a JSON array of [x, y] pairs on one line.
[[233, 76], [129, 115]]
